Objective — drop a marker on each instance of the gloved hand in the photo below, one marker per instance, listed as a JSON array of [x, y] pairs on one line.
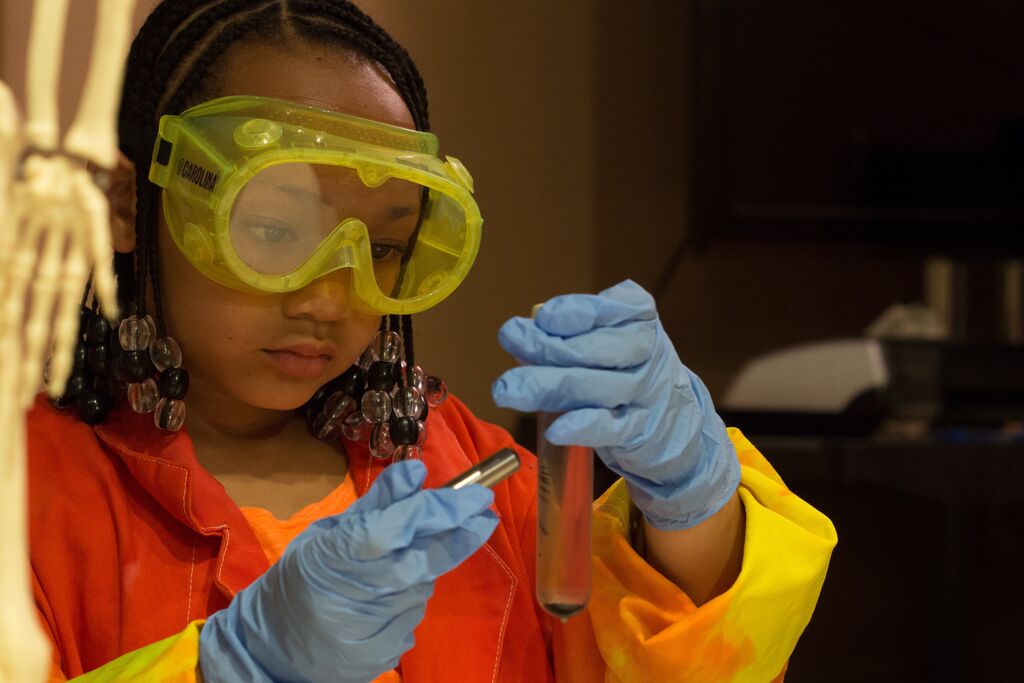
[[342, 602], [605, 359]]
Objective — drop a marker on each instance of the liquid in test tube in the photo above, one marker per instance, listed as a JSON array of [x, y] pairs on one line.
[[565, 481]]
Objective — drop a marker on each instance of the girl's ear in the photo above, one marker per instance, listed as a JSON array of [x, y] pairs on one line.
[[121, 195]]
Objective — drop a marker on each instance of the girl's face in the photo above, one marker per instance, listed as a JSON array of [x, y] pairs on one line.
[[273, 351]]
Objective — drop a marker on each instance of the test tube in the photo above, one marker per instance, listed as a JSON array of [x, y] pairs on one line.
[[565, 490]]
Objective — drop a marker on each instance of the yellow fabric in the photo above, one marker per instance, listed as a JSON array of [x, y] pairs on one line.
[[646, 629], [171, 660]]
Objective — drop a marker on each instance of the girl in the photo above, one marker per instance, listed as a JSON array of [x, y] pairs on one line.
[[243, 481]]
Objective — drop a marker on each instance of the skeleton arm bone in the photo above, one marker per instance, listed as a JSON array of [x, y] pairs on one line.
[[93, 134], [54, 227], [44, 50]]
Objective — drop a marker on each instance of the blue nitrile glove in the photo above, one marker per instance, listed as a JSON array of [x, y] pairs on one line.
[[342, 602], [606, 362]]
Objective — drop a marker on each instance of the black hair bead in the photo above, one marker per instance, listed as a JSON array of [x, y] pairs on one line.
[[404, 431], [96, 358], [316, 402], [380, 376], [81, 356], [353, 381], [321, 394], [174, 383], [78, 382], [84, 314], [92, 407], [97, 330], [114, 344], [63, 401], [112, 388], [134, 366], [115, 370]]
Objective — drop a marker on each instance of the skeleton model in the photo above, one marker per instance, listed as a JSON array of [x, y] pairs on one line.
[[54, 230]]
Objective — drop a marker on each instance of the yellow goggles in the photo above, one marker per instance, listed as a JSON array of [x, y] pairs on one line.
[[269, 195]]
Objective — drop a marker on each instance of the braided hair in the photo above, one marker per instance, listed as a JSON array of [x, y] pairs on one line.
[[174, 64]]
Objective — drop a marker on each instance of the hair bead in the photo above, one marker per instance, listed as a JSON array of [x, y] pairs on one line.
[[135, 366], [92, 407], [96, 358], [143, 396], [169, 414], [97, 330], [404, 430], [174, 383], [381, 376]]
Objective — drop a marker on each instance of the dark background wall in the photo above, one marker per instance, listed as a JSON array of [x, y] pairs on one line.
[[734, 300]]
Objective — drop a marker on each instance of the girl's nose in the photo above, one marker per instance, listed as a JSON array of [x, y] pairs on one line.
[[326, 299]]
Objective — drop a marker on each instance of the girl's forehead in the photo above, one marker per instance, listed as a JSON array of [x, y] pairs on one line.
[[330, 78]]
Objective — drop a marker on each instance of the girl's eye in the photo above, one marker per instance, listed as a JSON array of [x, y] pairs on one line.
[[379, 252], [274, 234]]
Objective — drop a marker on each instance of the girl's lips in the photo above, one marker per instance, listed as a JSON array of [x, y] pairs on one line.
[[298, 364]]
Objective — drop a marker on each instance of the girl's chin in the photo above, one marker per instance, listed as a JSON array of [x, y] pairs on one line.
[[264, 386], [269, 394]]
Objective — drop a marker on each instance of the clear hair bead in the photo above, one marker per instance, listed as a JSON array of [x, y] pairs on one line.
[[135, 334], [355, 427], [437, 391], [169, 414], [386, 346], [338, 405], [419, 379], [143, 396], [407, 402], [327, 428], [165, 353], [380, 441], [367, 358], [376, 406], [408, 453]]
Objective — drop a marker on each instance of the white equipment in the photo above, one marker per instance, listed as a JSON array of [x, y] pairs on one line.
[[823, 377]]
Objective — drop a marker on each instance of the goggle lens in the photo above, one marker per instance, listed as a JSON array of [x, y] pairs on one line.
[[318, 218]]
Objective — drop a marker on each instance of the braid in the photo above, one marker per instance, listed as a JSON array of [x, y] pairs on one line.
[[144, 201], [138, 107], [410, 359], [343, 23], [225, 24]]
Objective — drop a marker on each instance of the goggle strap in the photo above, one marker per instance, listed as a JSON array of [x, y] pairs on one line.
[[163, 153]]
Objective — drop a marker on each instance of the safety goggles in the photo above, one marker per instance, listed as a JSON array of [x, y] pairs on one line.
[[268, 195]]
